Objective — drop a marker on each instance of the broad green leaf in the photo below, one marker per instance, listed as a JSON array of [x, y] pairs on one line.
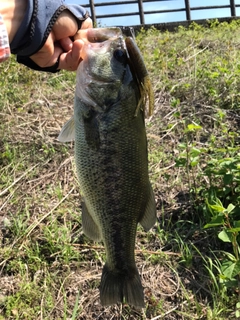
[[236, 224], [194, 161], [230, 208], [216, 221], [195, 151], [182, 145], [181, 162], [228, 268], [225, 236], [193, 127], [225, 161], [233, 283], [234, 230], [217, 207], [236, 270], [230, 256]]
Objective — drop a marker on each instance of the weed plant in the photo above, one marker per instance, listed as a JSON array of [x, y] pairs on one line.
[[189, 262]]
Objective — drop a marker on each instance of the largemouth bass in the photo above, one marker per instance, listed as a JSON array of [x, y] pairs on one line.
[[111, 156]]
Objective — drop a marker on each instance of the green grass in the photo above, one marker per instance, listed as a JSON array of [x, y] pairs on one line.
[[189, 262]]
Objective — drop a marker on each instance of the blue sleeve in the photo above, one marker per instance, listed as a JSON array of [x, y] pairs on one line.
[[39, 19]]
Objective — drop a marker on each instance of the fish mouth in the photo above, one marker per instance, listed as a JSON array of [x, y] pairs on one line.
[[100, 54], [100, 40], [103, 34], [93, 35], [99, 48]]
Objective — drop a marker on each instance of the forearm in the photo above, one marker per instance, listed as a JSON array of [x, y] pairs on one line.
[[12, 12]]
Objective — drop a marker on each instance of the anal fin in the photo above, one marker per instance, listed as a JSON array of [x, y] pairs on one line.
[[149, 217]]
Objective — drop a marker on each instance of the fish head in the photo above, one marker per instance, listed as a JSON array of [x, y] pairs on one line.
[[104, 67]]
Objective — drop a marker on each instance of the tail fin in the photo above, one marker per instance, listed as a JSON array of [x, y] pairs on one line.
[[121, 286]]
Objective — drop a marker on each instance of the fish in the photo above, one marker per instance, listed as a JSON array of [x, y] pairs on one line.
[[111, 156]]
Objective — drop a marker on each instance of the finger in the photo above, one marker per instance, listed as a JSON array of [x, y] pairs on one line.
[[81, 34], [43, 60], [65, 26], [66, 44], [87, 24], [71, 59], [48, 54], [53, 59]]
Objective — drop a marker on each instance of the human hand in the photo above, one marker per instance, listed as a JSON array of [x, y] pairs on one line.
[[60, 44]]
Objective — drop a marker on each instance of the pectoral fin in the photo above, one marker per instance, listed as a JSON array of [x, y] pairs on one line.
[[67, 133], [90, 228], [149, 218]]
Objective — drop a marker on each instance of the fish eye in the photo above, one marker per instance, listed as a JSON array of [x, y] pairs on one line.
[[119, 55]]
